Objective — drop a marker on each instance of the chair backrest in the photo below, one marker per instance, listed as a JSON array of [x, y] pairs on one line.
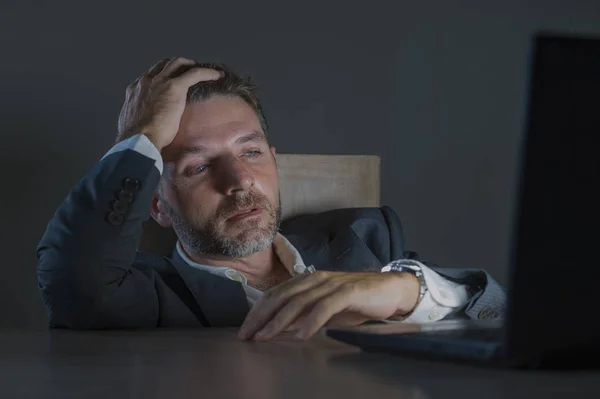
[[317, 183], [308, 184]]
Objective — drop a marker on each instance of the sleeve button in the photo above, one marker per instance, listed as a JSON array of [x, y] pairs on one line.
[[115, 219], [130, 184], [120, 207], [125, 196], [434, 315]]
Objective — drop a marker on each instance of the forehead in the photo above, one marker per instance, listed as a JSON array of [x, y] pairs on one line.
[[216, 121]]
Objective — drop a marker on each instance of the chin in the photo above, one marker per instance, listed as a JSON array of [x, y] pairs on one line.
[[247, 243], [250, 230]]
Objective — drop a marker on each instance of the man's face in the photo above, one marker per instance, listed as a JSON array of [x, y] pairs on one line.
[[220, 188]]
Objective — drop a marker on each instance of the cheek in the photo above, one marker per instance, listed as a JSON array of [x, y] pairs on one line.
[[269, 182], [199, 201], [275, 190]]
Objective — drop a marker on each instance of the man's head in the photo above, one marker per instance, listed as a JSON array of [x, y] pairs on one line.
[[219, 190]]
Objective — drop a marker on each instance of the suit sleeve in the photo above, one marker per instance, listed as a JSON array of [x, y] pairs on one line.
[[86, 255], [485, 297]]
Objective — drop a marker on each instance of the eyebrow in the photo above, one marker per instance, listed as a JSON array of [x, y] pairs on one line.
[[248, 138], [191, 150], [252, 137]]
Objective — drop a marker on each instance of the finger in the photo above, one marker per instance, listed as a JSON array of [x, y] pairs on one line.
[[322, 312], [156, 68], [295, 324], [196, 75], [173, 65], [299, 320], [274, 299], [344, 319], [153, 71], [294, 309], [293, 285]]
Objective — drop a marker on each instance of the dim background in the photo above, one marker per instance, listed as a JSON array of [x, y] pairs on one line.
[[438, 89]]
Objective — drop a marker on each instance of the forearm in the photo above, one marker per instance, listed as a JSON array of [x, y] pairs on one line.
[[87, 250]]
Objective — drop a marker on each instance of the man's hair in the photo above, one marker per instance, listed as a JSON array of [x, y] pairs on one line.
[[231, 84]]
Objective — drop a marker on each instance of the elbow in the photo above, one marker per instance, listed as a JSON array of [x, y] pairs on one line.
[[67, 303], [65, 309]]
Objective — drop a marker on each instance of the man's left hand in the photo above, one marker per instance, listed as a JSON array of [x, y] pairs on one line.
[[308, 302]]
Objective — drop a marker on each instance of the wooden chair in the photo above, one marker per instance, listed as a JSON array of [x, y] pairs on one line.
[[308, 184]]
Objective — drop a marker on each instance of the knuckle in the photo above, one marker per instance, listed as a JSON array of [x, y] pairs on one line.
[[271, 295], [278, 297], [346, 289], [144, 79], [156, 79], [179, 59], [171, 85], [321, 274], [267, 295], [321, 307]]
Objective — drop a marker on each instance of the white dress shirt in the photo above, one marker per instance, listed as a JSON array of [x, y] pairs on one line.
[[441, 298], [285, 251]]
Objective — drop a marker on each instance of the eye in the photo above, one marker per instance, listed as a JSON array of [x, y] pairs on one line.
[[252, 154], [198, 169]]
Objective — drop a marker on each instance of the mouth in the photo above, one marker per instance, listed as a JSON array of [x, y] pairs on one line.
[[245, 213]]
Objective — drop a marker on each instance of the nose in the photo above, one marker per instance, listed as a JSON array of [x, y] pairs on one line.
[[233, 176]]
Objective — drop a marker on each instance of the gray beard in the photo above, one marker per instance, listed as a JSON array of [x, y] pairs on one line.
[[210, 241]]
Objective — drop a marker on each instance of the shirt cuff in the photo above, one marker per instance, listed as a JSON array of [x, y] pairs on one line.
[[141, 144], [442, 298]]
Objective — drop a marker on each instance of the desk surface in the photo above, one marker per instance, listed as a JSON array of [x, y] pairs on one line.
[[213, 363]]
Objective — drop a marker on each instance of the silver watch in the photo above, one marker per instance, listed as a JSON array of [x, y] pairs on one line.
[[408, 266]]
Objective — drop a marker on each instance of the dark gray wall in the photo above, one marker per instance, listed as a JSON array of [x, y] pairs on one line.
[[437, 90]]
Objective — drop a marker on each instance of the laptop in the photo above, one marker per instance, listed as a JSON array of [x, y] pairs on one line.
[[553, 302]]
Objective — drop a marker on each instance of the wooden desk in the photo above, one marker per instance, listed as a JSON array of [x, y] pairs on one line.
[[212, 363]]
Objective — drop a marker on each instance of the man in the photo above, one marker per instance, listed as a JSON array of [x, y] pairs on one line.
[[193, 153]]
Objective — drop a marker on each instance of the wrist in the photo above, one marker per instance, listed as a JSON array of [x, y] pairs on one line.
[[153, 138], [414, 269], [155, 142], [410, 287]]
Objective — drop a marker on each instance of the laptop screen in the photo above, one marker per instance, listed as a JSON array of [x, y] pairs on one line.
[[555, 276]]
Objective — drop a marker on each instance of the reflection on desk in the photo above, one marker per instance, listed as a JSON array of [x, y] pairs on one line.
[[213, 363]]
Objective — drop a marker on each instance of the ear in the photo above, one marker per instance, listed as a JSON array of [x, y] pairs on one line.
[[158, 213], [272, 148]]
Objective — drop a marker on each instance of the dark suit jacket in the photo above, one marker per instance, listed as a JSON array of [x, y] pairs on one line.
[[91, 275]]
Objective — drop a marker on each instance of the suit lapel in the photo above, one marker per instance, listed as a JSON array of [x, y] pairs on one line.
[[223, 301]]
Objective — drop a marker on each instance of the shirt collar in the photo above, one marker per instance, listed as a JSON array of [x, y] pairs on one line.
[[285, 251]]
